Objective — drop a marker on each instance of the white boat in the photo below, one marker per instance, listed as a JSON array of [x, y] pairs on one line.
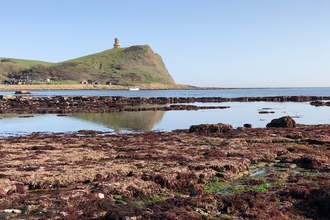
[[134, 88]]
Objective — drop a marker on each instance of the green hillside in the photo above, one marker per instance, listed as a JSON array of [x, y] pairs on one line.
[[131, 65], [28, 63], [134, 64]]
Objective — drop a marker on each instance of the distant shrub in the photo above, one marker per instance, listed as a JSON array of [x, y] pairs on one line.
[[133, 48], [117, 66], [7, 60]]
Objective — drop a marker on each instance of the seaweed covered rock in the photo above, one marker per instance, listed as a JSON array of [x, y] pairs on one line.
[[283, 122], [210, 128]]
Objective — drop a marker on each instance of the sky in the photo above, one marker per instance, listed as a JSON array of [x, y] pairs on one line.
[[213, 43]]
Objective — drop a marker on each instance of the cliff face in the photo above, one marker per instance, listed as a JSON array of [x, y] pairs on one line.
[[135, 64], [132, 64], [7, 67]]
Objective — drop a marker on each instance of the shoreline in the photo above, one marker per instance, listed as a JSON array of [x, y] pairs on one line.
[[152, 86], [4, 87]]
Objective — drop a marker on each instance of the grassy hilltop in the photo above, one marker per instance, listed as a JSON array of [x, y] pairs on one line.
[[124, 66], [9, 66]]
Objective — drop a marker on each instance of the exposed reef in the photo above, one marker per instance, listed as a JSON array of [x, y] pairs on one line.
[[246, 173], [66, 104]]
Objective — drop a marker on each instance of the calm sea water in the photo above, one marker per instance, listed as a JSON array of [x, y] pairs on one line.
[[225, 93], [238, 113]]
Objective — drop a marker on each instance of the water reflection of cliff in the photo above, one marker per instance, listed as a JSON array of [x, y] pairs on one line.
[[137, 121]]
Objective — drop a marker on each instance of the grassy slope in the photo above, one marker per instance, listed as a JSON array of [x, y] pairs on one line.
[[18, 64], [140, 60], [29, 63], [136, 64]]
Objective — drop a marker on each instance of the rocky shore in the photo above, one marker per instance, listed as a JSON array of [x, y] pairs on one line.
[[202, 172], [270, 173], [66, 104]]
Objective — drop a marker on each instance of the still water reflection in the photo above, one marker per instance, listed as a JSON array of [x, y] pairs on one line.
[[127, 121], [238, 114]]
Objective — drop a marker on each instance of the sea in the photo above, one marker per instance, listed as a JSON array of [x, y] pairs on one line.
[[238, 113]]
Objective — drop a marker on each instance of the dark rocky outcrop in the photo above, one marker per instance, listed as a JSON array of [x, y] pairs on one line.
[[66, 104], [283, 122], [320, 103], [22, 92], [63, 104], [211, 128]]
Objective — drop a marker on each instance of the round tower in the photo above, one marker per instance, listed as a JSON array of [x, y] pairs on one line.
[[117, 43]]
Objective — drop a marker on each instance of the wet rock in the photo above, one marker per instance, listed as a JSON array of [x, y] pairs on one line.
[[313, 162], [99, 177], [295, 135], [66, 105], [266, 112], [210, 128], [22, 92], [283, 122], [320, 103], [317, 103], [168, 175], [318, 141], [6, 97], [26, 116], [18, 188], [3, 192]]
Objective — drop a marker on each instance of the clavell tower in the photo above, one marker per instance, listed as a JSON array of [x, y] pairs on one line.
[[117, 43]]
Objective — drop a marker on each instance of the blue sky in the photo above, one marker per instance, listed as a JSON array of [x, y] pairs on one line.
[[223, 43]]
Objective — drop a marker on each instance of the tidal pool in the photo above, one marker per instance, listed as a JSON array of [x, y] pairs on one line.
[[238, 114]]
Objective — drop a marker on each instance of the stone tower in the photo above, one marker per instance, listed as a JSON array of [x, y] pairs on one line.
[[117, 43]]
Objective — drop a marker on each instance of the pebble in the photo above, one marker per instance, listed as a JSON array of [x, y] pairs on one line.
[[15, 211]]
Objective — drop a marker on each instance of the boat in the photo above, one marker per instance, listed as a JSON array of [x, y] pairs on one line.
[[135, 88]]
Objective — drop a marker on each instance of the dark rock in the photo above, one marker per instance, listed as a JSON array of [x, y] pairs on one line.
[[211, 128], [266, 112], [317, 103], [5, 97], [283, 122], [22, 92], [64, 105], [247, 126], [26, 116], [317, 141], [19, 188]]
